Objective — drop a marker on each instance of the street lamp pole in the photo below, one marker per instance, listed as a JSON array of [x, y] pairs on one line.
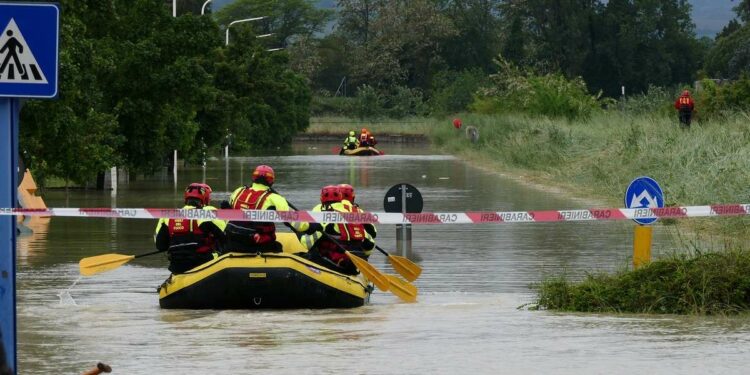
[[238, 21], [203, 8], [174, 8]]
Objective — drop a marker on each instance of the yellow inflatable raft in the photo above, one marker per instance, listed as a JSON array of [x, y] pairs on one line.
[[270, 280]]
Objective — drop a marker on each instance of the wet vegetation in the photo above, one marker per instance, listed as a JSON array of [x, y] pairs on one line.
[[700, 283]]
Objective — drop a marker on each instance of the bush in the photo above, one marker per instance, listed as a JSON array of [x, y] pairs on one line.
[[717, 100], [515, 89], [371, 103], [331, 106], [454, 91], [368, 103], [656, 100], [405, 102], [702, 283]]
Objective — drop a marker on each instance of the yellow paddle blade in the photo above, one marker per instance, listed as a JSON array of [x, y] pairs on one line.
[[102, 263], [370, 272], [402, 288], [406, 268]]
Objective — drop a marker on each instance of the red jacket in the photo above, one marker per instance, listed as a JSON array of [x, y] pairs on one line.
[[684, 103]]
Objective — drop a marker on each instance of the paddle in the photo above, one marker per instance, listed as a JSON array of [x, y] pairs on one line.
[[406, 268], [378, 278], [401, 288], [106, 262]]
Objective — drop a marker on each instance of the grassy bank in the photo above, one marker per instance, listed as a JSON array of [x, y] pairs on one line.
[[341, 126], [598, 157], [699, 283]]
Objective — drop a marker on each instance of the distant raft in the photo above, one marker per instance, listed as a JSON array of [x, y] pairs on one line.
[[270, 280], [361, 151]]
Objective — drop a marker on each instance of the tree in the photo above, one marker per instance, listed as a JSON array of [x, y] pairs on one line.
[[560, 32], [287, 20], [657, 34], [268, 102], [730, 56], [743, 9], [159, 81], [393, 42], [477, 39], [75, 136]]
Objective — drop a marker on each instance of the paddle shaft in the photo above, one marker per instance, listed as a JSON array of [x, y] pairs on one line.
[[151, 253], [382, 251]]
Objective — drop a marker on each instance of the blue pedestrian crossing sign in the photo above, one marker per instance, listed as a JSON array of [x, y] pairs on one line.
[[29, 46], [644, 192]]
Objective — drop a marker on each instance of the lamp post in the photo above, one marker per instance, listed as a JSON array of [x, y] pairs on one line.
[[203, 8], [174, 8], [238, 21]]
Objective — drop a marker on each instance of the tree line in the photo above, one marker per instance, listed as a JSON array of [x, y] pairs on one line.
[[136, 83], [435, 54]]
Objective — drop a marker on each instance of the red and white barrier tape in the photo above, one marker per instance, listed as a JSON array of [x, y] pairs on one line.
[[427, 218]]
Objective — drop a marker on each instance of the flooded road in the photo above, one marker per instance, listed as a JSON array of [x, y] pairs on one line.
[[466, 319]]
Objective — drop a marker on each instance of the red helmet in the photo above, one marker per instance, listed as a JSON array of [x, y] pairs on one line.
[[201, 192], [330, 194], [686, 93], [347, 192], [264, 174]]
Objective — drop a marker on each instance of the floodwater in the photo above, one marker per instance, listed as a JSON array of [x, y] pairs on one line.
[[467, 318]]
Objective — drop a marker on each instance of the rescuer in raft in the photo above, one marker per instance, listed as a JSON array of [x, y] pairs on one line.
[[329, 249], [191, 242], [350, 142], [347, 199], [255, 236]]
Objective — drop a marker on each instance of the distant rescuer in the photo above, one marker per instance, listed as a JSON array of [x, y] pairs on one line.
[[350, 142], [190, 243], [685, 106]]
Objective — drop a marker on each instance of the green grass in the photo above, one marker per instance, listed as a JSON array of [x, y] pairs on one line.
[[342, 126], [598, 157], [700, 284]]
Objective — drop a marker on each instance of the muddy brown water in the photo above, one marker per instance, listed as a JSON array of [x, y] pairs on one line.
[[467, 318]]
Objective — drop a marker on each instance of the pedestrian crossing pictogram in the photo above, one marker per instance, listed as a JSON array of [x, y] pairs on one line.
[[17, 62]]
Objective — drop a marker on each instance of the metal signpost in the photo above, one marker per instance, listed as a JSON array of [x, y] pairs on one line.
[[643, 192], [28, 69], [403, 198]]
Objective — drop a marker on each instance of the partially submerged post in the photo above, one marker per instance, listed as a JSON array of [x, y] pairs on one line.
[[403, 198], [643, 193]]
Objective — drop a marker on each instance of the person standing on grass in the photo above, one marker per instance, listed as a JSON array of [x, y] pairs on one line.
[[685, 107]]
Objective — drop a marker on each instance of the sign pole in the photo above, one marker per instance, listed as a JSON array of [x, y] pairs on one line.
[[29, 41], [642, 245], [9, 109]]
